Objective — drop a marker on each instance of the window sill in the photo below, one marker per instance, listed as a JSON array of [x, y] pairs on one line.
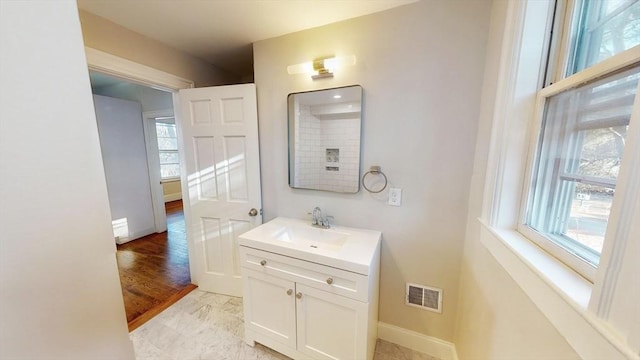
[[560, 293], [169, 180]]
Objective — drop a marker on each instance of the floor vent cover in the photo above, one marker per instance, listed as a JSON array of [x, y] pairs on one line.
[[424, 297]]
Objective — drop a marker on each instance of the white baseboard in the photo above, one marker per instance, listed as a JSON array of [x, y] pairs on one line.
[[416, 341], [173, 197], [136, 235]]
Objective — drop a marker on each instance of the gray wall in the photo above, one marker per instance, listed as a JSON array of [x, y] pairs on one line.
[[421, 69], [60, 293], [124, 155]]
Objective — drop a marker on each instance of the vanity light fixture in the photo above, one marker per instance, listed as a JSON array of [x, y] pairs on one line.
[[322, 67], [337, 96]]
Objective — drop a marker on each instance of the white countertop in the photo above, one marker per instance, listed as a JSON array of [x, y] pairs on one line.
[[341, 247]]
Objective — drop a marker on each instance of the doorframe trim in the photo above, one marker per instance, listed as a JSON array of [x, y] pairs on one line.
[[129, 70]]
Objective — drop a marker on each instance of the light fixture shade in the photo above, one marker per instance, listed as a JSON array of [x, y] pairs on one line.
[[303, 68], [339, 62]]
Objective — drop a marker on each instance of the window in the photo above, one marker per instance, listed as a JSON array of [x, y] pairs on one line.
[[583, 130], [601, 29], [168, 148]]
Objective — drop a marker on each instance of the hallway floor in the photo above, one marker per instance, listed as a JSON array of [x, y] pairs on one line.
[[203, 325], [154, 270]]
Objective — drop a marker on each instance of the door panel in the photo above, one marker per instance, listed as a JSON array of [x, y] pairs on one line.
[[329, 326], [219, 131], [212, 242], [237, 227], [271, 309], [236, 179], [205, 168]]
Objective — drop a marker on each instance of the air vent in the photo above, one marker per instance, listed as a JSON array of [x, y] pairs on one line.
[[424, 297]]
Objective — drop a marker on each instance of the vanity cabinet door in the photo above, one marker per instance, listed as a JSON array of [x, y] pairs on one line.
[[330, 326], [269, 307]]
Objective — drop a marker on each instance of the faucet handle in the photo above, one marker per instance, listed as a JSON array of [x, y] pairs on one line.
[[326, 222]]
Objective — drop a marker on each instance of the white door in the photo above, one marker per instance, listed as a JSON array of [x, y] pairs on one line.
[[219, 134]]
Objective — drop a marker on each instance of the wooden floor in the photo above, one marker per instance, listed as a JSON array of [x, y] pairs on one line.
[[154, 270]]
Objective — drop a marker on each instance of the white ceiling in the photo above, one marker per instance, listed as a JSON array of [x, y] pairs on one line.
[[222, 31]]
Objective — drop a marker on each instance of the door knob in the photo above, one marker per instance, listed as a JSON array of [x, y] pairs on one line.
[[289, 292], [263, 262], [329, 281], [299, 295], [253, 212]]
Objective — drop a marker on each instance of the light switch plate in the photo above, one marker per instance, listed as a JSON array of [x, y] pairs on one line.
[[395, 196]]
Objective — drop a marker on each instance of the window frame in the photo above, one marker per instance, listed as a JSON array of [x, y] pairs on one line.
[[555, 83]]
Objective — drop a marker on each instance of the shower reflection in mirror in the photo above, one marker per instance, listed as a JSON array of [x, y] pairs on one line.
[[324, 139]]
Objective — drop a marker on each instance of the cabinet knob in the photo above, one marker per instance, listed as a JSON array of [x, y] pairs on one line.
[[329, 281], [263, 262], [289, 292], [299, 295]]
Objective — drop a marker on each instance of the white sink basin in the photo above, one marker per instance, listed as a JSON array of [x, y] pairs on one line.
[[341, 247], [312, 237]]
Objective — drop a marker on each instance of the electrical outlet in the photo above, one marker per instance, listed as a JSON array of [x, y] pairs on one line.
[[395, 196]]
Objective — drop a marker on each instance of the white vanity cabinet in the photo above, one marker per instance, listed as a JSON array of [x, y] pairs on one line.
[[307, 310]]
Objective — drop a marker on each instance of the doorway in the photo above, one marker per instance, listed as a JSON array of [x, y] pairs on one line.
[[212, 222], [137, 130]]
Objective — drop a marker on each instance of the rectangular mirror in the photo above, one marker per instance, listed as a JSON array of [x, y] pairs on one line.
[[324, 139]]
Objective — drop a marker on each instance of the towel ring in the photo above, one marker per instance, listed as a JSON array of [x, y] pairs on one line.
[[374, 170]]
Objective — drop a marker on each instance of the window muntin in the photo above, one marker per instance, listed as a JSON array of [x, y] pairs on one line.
[[168, 150], [602, 29]]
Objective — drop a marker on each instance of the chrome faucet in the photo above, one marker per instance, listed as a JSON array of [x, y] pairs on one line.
[[320, 221], [316, 218]]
